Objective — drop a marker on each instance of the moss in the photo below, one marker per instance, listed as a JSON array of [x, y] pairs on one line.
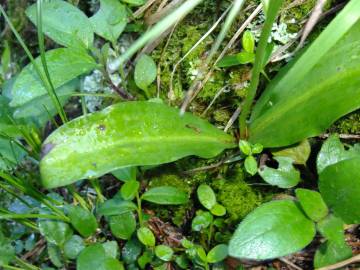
[[349, 124], [236, 195]]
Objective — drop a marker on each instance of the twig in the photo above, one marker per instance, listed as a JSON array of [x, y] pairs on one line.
[[292, 265], [233, 119], [222, 90], [355, 259], [342, 136], [143, 8]]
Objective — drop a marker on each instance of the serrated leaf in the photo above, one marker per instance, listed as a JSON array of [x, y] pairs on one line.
[[64, 23], [273, 230], [110, 21], [145, 72], [333, 151], [165, 195], [312, 203], [206, 196], [126, 134], [64, 65], [340, 187], [285, 176], [313, 90]]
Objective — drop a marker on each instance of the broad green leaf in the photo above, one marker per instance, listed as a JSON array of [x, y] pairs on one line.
[[312, 203], [73, 247], [273, 230], [42, 106], [165, 195], [330, 253], [332, 228], [146, 236], [206, 196], [201, 221], [333, 151], [217, 253], [251, 165], [299, 153], [285, 176], [340, 187], [116, 206], [110, 21], [82, 220], [64, 23], [126, 134], [64, 65], [123, 226], [125, 174], [131, 251], [91, 257], [134, 2], [314, 90], [218, 210], [112, 264], [145, 72], [201, 253], [245, 147], [55, 232], [129, 190], [248, 42], [7, 251], [164, 253], [111, 249]]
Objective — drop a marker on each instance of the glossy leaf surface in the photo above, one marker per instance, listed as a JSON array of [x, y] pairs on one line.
[[165, 195], [64, 65], [274, 229], [82, 220], [312, 203], [126, 134], [64, 23], [315, 89], [340, 187]]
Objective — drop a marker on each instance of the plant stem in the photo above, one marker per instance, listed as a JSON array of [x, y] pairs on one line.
[[50, 87], [155, 32], [25, 264], [139, 209], [258, 65], [25, 216], [96, 185]]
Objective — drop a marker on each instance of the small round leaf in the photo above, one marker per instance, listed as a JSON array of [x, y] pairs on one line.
[[146, 236], [206, 196], [164, 253]]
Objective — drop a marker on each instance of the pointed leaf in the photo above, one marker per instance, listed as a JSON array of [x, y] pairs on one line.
[[126, 134], [82, 220], [165, 195]]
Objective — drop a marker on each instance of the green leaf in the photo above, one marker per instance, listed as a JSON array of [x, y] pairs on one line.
[[110, 21], [165, 195], [145, 72], [248, 42], [218, 210], [217, 253], [299, 153], [340, 187], [54, 253], [125, 174], [111, 249], [332, 228], [131, 251], [330, 253], [64, 23], [201, 253], [257, 148], [73, 247], [245, 147], [82, 220], [164, 253], [127, 134], [134, 2], [201, 221], [7, 251], [285, 176], [206, 196], [333, 151], [315, 89], [55, 232], [251, 165], [241, 58], [145, 258], [312, 203], [123, 226], [11, 154], [64, 65], [6, 125], [116, 206], [91, 257], [146, 236], [273, 230], [112, 264], [129, 190]]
